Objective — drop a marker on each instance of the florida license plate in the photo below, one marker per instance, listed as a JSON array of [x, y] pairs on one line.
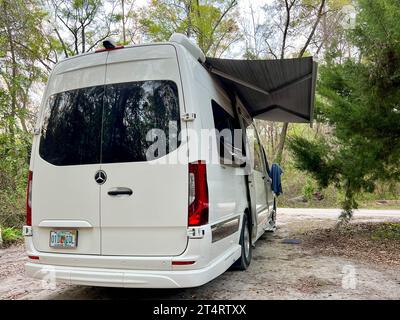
[[63, 238]]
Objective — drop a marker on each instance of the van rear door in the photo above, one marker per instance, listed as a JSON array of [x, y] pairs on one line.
[[144, 201], [65, 195]]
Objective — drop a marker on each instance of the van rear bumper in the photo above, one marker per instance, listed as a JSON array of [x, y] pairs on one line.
[[133, 278]]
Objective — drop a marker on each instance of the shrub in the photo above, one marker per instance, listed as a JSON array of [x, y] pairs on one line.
[[11, 235]]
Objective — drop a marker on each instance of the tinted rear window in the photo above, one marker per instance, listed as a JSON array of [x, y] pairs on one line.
[[131, 110], [72, 126], [108, 124]]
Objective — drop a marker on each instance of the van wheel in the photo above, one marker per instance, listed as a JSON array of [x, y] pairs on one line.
[[245, 242]]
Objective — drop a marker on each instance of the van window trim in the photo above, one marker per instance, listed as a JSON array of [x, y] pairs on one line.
[[227, 146]]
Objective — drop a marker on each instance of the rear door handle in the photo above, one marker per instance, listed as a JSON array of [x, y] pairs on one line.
[[120, 191]]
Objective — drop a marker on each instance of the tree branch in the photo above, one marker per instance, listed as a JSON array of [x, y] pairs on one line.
[[314, 28], [62, 42], [232, 4]]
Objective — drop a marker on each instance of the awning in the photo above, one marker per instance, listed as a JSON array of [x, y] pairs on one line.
[[275, 90]]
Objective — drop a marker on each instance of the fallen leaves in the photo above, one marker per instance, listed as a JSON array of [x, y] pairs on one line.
[[371, 242]]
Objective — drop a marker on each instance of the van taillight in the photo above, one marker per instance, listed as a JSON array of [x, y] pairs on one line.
[[29, 200], [198, 194]]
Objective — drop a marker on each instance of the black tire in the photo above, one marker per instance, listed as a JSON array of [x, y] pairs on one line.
[[245, 242]]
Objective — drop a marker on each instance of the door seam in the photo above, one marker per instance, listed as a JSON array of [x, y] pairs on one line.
[[101, 155]]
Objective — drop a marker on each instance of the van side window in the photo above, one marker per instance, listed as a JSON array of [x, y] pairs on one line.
[[226, 124], [255, 148], [258, 165]]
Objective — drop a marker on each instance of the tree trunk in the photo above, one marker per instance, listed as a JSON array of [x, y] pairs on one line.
[[12, 86], [62, 42], [285, 31], [278, 156], [281, 145], [283, 134], [83, 39], [314, 28], [123, 22], [200, 36], [76, 43], [189, 19], [1, 239]]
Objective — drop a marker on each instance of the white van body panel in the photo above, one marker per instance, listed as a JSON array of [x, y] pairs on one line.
[[152, 221], [134, 240], [226, 184], [129, 272]]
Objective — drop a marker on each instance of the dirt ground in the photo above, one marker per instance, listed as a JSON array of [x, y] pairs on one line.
[[279, 270]]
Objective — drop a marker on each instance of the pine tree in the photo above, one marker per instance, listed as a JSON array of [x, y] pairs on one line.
[[360, 100]]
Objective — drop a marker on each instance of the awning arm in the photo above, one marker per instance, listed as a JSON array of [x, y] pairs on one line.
[[236, 80]]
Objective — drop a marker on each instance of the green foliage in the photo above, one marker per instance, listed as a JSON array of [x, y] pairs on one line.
[[295, 182], [163, 19], [14, 153], [360, 101], [387, 231], [81, 25], [11, 235], [314, 156], [308, 189], [210, 23], [23, 46]]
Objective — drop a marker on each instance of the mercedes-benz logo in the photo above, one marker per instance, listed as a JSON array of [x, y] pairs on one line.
[[100, 177]]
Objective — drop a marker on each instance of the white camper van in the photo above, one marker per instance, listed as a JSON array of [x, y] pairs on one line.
[[106, 208]]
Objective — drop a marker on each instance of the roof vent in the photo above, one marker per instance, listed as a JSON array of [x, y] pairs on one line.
[[194, 50]]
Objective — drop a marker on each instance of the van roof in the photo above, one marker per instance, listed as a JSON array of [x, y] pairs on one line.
[[80, 55]]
